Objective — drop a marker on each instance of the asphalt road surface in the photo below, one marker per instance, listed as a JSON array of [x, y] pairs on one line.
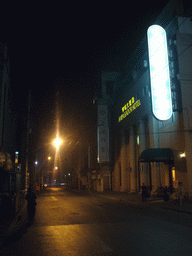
[[70, 224]]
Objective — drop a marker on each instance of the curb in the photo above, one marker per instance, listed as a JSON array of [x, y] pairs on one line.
[[177, 210]]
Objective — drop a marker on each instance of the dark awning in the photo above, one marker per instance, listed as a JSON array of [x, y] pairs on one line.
[[157, 155]]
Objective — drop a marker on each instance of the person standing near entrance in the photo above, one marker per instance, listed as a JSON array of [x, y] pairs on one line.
[[166, 196], [180, 192], [144, 192]]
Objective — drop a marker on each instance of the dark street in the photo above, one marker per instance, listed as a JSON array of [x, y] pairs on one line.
[[96, 128], [68, 223]]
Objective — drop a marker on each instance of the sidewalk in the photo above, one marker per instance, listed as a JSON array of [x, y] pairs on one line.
[[13, 224], [135, 198]]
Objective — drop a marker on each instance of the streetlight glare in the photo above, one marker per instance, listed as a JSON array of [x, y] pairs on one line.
[[57, 142]]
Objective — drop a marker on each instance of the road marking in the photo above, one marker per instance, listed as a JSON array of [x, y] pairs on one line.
[[54, 198]]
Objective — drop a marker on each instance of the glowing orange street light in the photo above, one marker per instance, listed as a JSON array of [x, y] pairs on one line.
[[57, 142]]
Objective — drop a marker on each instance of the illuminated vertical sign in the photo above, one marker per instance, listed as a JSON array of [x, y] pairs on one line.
[[103, 134], [159, 73]]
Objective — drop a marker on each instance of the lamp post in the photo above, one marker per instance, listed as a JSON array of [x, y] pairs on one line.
[[36, 163]]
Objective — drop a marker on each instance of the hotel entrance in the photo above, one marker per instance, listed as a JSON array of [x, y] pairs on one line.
[[160, 165]]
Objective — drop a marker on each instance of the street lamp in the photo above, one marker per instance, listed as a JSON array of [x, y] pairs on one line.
[[36, 163], [57, 142], [49, 170], [182, 154]]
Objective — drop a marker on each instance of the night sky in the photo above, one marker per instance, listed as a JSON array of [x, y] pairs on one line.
[[63, 47]]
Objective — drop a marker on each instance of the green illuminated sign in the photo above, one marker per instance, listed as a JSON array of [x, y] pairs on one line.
[[128, 108]]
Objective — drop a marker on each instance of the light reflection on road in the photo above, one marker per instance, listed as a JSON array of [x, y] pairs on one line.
[[66, 224]]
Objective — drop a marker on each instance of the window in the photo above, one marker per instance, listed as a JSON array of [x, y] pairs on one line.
[[145, 63], [109, 87], [160, 124], [137, 139], [136, 97], [171, 69], [173, 117], [134, 74], [173, 173], [174, 100]]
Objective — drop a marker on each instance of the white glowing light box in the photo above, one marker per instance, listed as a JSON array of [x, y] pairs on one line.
[[159, 73]]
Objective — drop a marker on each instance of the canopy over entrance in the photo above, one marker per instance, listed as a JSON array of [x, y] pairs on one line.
[[165, 155], [157, 155]]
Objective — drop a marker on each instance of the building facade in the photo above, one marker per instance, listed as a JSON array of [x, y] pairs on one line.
[[142, 145], [7, 113]]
